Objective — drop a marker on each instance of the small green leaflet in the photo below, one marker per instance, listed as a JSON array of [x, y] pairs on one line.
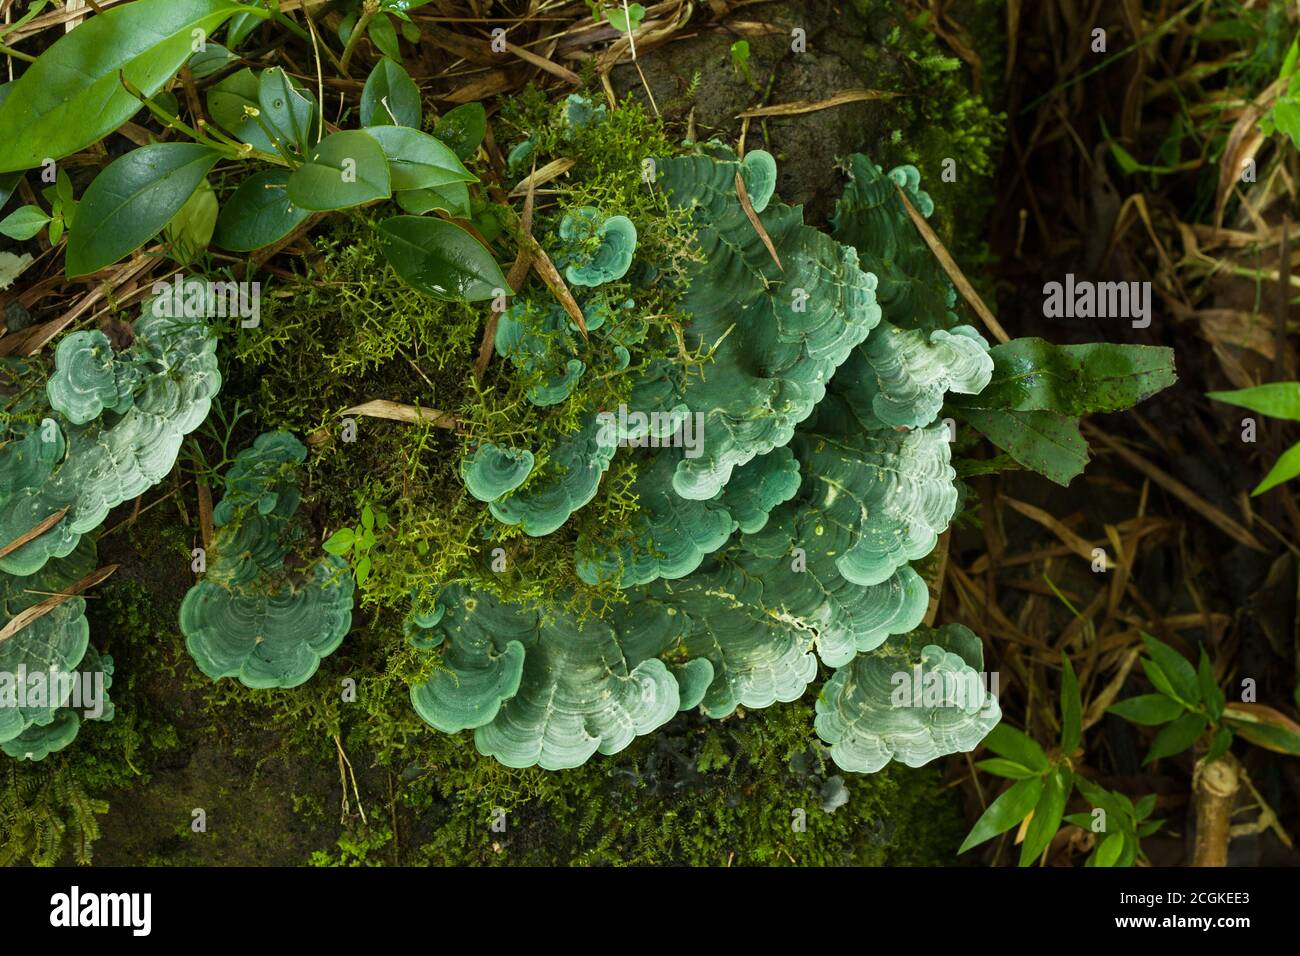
[[1004, 812], [452, 198], [463, 129], [23, 223], [229, 102], [625, 18]]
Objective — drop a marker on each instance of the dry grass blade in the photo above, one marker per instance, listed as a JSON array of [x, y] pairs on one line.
[[1097, 708], [552, 170], [954, 273], [748, 206], [205, 513], [45, 525], [544, 64], [1074, 542], [1179, 490], [934, 579], [37, 611], [397, 412], [555, 282], [514, 279], [797, 107]]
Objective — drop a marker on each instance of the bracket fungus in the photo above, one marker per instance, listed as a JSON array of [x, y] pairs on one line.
[[784, 536], [264, 612]]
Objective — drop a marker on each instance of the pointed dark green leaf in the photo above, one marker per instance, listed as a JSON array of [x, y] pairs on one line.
[[1047, 816], [1030, 374], [72, 96], [417, 160], [384, 35], [287, 110], [1177, 670], [1147, 709], [131, 200], [1015, 745], [1071, 708], [345, 169], [1004, 812], [463, 129], [258, 213], [390, 97], [1176, 737], [440, 259], [229, 103], [1211, 693]]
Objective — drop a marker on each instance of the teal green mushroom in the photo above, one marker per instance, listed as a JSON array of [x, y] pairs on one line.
[[493, 471], [612, 256]]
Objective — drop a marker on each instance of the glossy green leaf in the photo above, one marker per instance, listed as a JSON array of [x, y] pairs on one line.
[[1142, 809], [390, 96], [417, 160], [24, 223], [211, 59], [132, 200], [8, 184], [463, 129], [440, 259], [1285, 468], [345, 169], [1275, 399], [234, 105], [452, 198], [258, 213], [1047, 816], [1177, 670], [1005, 812], [1016, 745], [1001, 767], [1211, 693], [72, 96], [1148, 709], [287, 110], [384, 35], [242, 25], [1108, 851]]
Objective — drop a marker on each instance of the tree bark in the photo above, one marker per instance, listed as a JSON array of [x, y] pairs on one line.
[[1217, 784]]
